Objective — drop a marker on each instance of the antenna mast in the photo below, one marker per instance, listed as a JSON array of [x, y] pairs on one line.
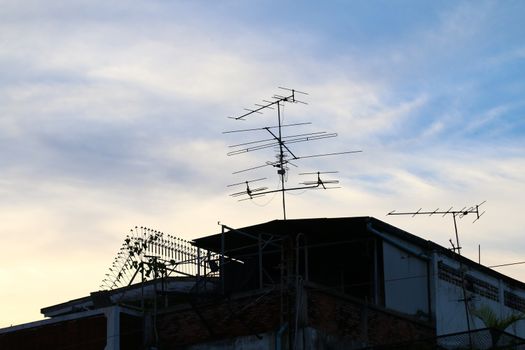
[[281, 170], [280, 142]]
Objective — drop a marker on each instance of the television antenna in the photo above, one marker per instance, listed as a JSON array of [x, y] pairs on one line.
[[455, 248], [285, 157], [451, 212]]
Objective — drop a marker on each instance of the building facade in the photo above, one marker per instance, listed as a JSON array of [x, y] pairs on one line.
[[338, 283]]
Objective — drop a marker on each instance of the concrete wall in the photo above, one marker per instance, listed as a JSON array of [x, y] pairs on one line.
[[406, 281], [481, 288]]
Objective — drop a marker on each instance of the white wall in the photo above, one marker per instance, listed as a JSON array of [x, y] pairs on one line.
[[406, 281], [448, 297]]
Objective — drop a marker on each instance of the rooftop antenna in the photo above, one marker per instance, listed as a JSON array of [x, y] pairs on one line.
[[454, 213], [456, 248], [276, 139]]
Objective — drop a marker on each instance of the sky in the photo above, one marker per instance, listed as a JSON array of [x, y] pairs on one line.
[[112, 116]]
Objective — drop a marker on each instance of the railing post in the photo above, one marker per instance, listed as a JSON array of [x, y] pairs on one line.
[[198, 262], [222, 258]]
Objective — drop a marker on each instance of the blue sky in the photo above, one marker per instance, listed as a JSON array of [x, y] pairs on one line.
[[111, 116]]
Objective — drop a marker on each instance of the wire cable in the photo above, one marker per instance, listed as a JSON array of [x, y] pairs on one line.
[[508, 264]]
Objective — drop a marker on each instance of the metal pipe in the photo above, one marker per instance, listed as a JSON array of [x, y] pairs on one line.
[[279, 335], [465, 299], [281, 160]]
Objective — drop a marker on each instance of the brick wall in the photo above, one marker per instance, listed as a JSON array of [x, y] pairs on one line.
[[345, 317], [220, 319], [81, 334], [330, 313]]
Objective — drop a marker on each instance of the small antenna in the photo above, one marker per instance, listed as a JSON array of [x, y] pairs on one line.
[[319, 182], [277, 140], [249, 191]]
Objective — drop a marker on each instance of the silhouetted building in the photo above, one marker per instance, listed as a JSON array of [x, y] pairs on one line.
[[339, 283]]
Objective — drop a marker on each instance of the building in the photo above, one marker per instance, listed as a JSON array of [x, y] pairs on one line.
[[338, 283]]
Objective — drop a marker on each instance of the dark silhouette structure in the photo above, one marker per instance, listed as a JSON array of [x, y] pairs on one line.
[[327, 283]]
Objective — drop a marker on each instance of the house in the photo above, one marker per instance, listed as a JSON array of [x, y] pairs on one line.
[[324, 283]]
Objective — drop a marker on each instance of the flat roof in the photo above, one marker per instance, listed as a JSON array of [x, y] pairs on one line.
[[115, 296], [244, 240]]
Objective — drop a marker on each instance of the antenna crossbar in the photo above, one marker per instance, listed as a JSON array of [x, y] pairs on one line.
[[286, 161], [328, 154], [246, 182], [460, 213], [284, 138], [306, 187], [267, 127]]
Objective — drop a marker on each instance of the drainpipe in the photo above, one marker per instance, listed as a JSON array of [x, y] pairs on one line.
[[279, 336]]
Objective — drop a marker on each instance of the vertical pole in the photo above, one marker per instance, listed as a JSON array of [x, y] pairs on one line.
[[281, 170], [376, 274], [282, 267], [457, 236], [155, 276], [306, 277], [260, 263], [222, 258], [465, 301], [145, 336], [299, 290], [479, 254], [198, 262], [141, 267], [297, 254]]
